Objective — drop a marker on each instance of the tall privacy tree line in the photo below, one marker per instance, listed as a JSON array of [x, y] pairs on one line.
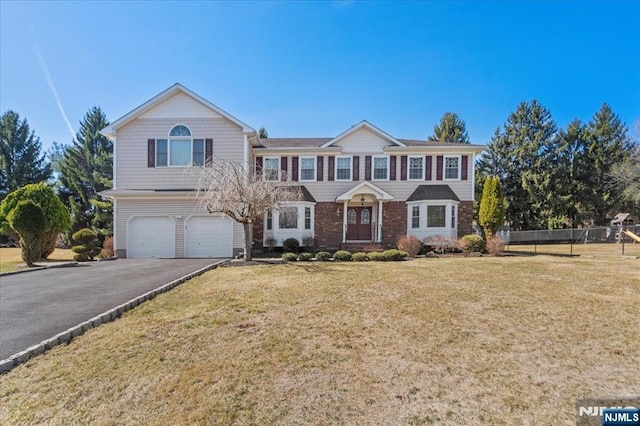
[[77, 172], [554, 178]]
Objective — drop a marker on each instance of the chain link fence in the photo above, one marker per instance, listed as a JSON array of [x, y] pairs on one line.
[[604, 240]]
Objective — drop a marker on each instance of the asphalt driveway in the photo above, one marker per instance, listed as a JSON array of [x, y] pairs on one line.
[[37, 305]]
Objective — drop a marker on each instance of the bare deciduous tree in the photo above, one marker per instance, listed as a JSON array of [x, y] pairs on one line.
[[242, 194]]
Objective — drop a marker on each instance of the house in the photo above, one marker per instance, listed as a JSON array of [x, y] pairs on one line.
[[362, 186]]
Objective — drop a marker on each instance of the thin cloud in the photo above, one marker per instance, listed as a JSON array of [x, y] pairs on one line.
[[52, 86]]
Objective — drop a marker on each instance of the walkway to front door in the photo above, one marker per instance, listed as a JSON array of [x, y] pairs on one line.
[[359, 224]]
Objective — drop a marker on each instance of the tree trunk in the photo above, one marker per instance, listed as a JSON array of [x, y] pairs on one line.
[[247, 241]]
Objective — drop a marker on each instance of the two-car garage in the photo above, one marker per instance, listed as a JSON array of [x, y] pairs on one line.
[[170, 236]]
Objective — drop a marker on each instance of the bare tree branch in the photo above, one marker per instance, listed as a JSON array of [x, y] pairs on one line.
[[243, 195]]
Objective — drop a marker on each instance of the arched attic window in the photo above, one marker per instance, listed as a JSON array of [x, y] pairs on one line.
[[180, 149]]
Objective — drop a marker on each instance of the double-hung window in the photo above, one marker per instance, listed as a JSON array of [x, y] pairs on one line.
[[307, 169], [415, 217], [271, 168], [343, 168], [380, 168], [416, 168], [180, 149], [307, 218], [452, 167]]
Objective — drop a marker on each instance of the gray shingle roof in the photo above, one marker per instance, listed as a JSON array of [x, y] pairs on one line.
[[306, 195], [318, 142], [433, 192]]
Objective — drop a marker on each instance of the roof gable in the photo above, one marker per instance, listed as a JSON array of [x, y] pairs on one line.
[[175, 94], [365, 187], [433, 192], [360, 129]]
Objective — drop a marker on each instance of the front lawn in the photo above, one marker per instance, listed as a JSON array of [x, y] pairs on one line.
[[444, 341], [11, 258]]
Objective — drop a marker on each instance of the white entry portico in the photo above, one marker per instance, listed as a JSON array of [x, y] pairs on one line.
[[362, 208]]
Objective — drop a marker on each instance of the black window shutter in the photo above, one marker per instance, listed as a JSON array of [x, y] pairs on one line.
[[439, 161], [284, 165], [294, 169], [465, 165], [392, 167], [258, 165], [403, 167], [208, 152], [427, 169], [331, 170], [367, 167], [356, 168], [320, 166], [151, 152]]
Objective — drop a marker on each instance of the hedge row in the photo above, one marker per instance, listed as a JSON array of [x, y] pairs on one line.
[[345, 256]]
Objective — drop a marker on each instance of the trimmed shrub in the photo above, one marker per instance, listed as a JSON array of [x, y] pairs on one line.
[[289, 257], [394, 255], [56, 213], [323, 256], [441, 244], [472, 244], [409, 244], [88, 245], [495, 246], [360, 257], [305, 257], [30, 222], [107, 248], [342, 256], [377, 256], [291, 245]]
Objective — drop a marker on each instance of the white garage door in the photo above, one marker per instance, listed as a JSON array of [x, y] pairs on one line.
[[151, 237], [209, 236]]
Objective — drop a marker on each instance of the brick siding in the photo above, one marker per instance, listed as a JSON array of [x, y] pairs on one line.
[[394, 222], [465, 218]]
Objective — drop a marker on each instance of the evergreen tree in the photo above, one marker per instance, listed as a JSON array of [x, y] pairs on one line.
[[492, 207], [608, 145], [262, 133], [85, 168], [21, 159], [450, 129], [520, 156]]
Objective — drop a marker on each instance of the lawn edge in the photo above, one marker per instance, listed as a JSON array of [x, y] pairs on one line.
[[68, 335]]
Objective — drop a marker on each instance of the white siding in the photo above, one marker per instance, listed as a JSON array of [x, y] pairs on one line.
[[174, 207], [363, 141], [184, 103], [131, 157]]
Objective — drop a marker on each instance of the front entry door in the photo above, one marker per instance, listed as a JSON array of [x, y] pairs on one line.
[[359, 223]]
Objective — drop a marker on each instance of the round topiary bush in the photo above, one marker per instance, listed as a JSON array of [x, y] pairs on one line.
[[323, 256], [88, 245], [394, 255], [289, 257], [472, 244], [291, 245], [305, 257], [342, 256], [360, 257], [377, 256]]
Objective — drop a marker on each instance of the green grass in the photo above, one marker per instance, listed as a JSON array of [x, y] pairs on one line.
[[11, 259], [431, 341]]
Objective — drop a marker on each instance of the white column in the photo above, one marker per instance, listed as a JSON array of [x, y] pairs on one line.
[[344, 222], [379, 236]]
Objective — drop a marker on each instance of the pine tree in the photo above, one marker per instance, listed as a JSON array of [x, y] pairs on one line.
[[608, 145], [450, 129], [85, 168], [21, 159], [492, 207]]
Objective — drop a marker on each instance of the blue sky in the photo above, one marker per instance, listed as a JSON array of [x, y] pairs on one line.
[[313, 69]]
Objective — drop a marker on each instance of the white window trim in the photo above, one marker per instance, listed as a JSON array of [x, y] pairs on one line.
[[373, 167], [315, 168], [444, 167], [411, 216], [264, 168], [423, 204], [350, 157], [424, 166]]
